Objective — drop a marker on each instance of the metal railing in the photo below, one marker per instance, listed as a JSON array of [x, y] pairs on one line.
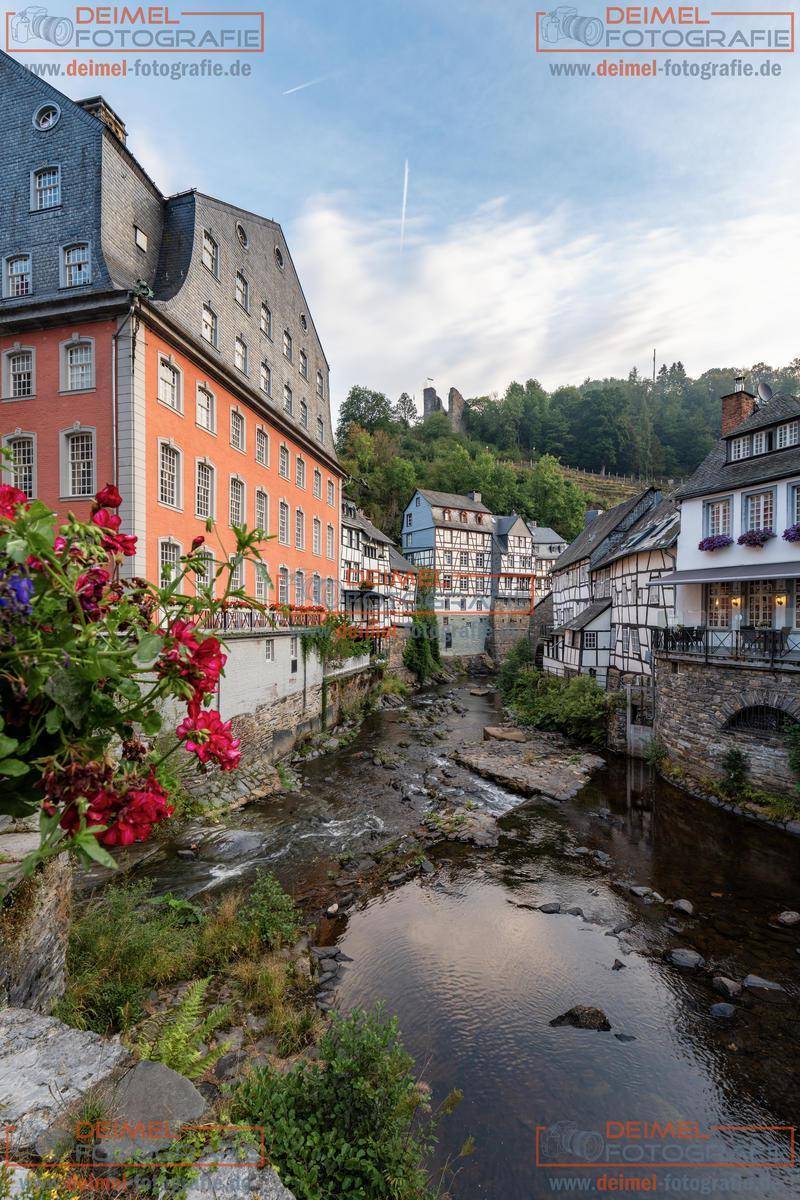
[[747, 644], [236, 618]]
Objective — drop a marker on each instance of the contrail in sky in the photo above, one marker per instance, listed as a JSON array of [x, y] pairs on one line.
[[405, 206], [310, 83]]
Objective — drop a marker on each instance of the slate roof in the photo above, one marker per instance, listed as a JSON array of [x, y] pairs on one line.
[[398, 563], [451, 500], [656, 529], [779, 408], [360, 521], [543, 533], [594, 534], [586, 617]]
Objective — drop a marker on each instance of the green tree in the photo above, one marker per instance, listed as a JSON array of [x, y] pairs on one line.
[[362, 406]]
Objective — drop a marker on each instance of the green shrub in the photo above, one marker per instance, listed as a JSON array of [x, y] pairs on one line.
[[519, 657], [345, 1128], [270, 913], [736, 766], [393, 685], [575, 707], [176, 1037], [793, 746]]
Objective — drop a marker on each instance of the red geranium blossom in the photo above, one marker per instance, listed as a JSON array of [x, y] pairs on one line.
[[205, 734], [119, 543], [198, 541], [90, 587], [10, 500], [108, 497], [106, 519], [199, 663], [127, 810]]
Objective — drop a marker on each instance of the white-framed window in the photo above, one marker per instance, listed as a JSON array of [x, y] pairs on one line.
[[236, 510], [210, 253], [209, 325], [262, 510], [300, 529], [240, 354], [18, 276], [288, 403], [283, 523], [304, 414], [262, 594], [79, 467], [635, 644], [205, 414], [140, 238], [316, 589], [331, 493], [794, 509], [265, 378], [718, 517], [316, 541], [169, 559], [20, 374], [300, 472], [283, 585], [299, 587], [22, 469], [787, 435], [169, 475], [76, 265], [46, 117], [759, 510], [330, 596], [46, 188], [287, 345], [409, 519], [590, 639], [77, 366], [262, 447], [320, 386], [205, 578], [317, 484], [329, 546], [204, 490], [760, 445], [320, 429], [718, 605], [169, 384], [283, 462], [266, 320], [740, 448], [237, 429], [242, 291], [237, 572], [304, 364]]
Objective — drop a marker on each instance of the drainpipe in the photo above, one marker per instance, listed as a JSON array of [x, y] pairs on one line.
[[114, 408]]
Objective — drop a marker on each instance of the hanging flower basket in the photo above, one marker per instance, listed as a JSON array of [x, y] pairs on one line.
[[717, 541], [792, 534], [756, 537]]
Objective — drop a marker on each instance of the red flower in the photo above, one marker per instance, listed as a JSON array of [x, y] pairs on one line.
[[108, 497], [198, 663], [10, 500], [204, 733], [144, 806], [60, 544], [198, 541], [90, 587], [106, 519], [127, 810]]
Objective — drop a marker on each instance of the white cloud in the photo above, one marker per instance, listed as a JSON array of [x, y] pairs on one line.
[[501, 296]]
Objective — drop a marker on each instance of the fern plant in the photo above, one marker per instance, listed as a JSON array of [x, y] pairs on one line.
[[176, 1038]]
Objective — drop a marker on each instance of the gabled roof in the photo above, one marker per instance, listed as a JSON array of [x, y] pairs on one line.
[[398, 563], [779, 408], [504, 525], [362, 522], [656, 529], [451, 500], [592, 536], [586, 617], [543, 533]]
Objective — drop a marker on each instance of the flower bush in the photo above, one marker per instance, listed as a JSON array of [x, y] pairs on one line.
[[87, 660], [755, 537], [792, 534], [716, 541]]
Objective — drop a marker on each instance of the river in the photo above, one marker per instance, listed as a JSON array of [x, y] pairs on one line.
[[476, 979]]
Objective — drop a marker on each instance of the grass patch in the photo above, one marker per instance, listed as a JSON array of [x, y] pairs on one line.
[[393, 685], [289, 781]]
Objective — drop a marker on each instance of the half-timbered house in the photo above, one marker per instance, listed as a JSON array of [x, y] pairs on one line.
[[547, 548], [403, 588], [365, 571]]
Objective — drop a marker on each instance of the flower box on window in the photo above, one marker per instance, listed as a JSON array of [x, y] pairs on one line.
[[756, 537], [792, 534], [716, 541]]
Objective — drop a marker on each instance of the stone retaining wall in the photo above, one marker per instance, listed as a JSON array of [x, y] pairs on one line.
[[34, 922], [693, 702], [507, 628]]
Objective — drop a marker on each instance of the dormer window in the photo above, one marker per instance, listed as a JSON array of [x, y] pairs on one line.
[[242, 291], [462, 516], [478, 518], [740, 448], [77, 270], [446, 514], [787, 435], [210, 253]]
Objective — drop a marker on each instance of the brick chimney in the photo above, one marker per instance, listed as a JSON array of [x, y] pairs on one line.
[[100, 108], [737, 406]]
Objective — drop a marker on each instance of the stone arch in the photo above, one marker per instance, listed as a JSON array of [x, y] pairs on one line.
[[761, 698]]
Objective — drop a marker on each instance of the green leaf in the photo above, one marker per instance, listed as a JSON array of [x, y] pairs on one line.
[[7, 744], [13, 767], [69, 693], [87, 844], [151, 722], [148, 649]]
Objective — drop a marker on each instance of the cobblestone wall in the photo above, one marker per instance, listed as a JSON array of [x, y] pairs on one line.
[[506, 629], [695, 700]]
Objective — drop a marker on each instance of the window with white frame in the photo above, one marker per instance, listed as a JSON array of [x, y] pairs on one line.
[[204, 490], [787, 435], [320, 386], [209, 325], [204, 578], [80, 463], [262, 594], [265, 378], [794, 508], [77, 265], [283, 523], [240, 354], [300, 472], [236, 501], [283, 462], [169, 475], [266, 320], [759, 510], [740, 448], [287, 345], [329, 593], [210, 253], [718, 517], [329, 547], [169, 555], [283, 585], [140, 238], [320, 429], [316, 543], [317, 483], [760, 445], [262, 511], [46, 188], [299, 587], [206, 416], [169, 384], [262, 447], [237, 572], [316, 589], [288, 403], [304, 364], [331, 493], [23, 464], [78, 366], [237, 429], [20, 374], [635, 645], [300, 529], [242, 291], [304, 414], [18, 276], [718, 605]]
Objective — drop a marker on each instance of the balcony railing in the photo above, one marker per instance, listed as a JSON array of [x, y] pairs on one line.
[[747, 645], [234, 618]]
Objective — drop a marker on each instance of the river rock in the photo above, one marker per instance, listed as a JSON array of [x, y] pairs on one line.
[[726, 987], [218, 1180], [575, 911], [790, 917], [151, 1092], [722, 1011], [689, 959], [546, 767], [639, 890], [503, 733], [683, 906], [552, 906], [583, 1016], [617, 965], [45, 1067], [332, 910], [756, 984], [620, 927]]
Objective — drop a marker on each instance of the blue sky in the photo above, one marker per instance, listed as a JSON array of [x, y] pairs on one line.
[[556, 227]]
